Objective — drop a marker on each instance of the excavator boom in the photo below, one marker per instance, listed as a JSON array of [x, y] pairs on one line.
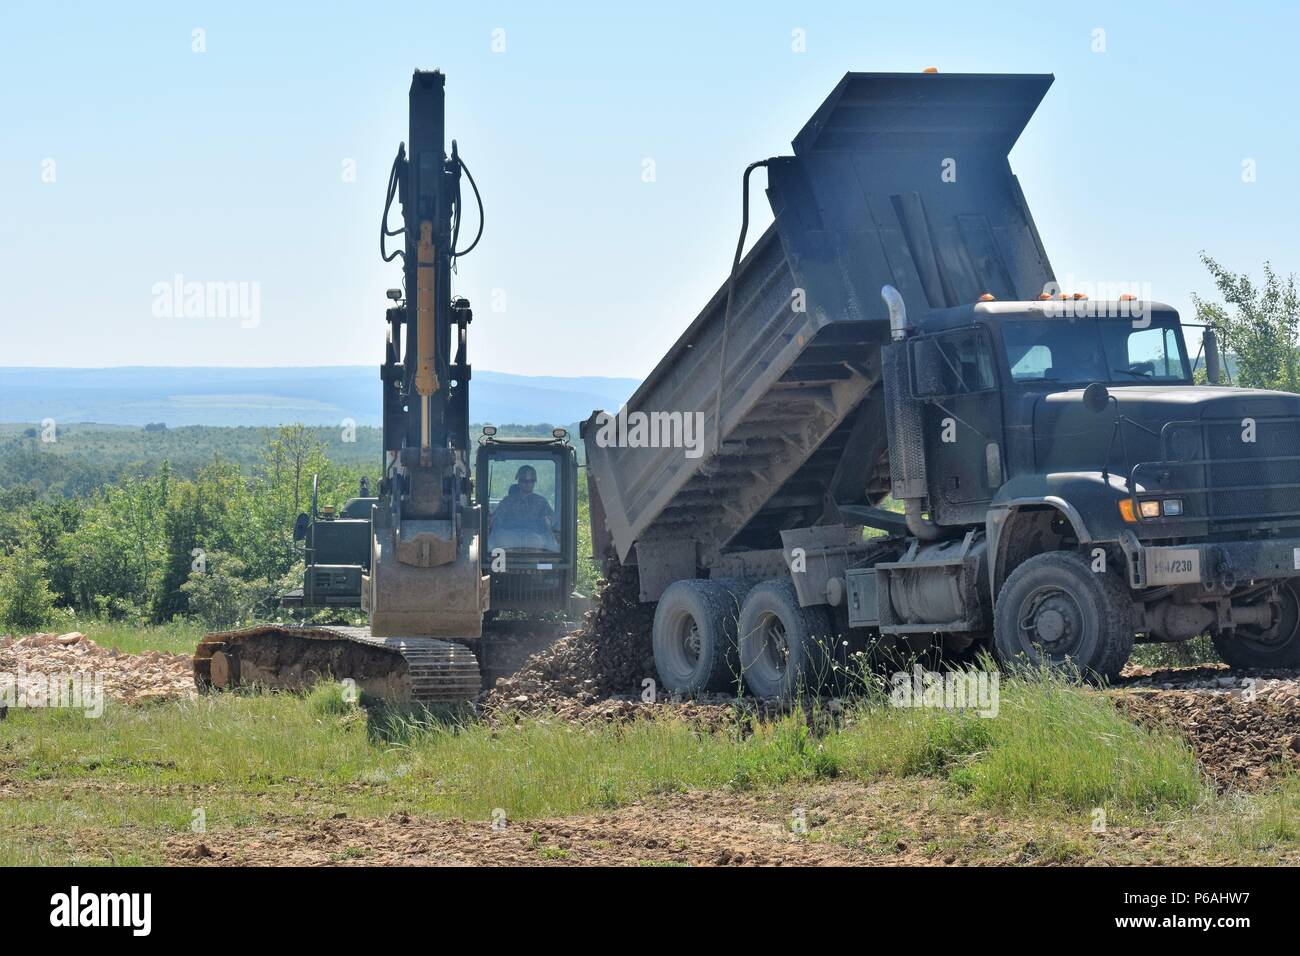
[[424, 589]]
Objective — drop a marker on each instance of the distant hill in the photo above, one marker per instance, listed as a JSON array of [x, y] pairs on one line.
[[322, 395]]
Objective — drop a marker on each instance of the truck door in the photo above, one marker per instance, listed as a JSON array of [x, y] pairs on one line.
[[955, 374]]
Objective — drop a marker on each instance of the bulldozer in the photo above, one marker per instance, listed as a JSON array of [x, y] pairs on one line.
[[457, 533]]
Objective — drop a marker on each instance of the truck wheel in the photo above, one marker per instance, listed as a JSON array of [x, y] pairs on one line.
[[784, 648], [1055, 610], [1277, 646], [694, 637]]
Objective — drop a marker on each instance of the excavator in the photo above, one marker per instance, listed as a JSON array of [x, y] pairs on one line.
[[435, 552]]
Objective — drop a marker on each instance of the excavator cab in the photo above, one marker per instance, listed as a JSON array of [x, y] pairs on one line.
[[527, 492]]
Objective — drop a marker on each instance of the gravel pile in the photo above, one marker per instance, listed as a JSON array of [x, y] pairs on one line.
[[30, 666], [1245, 729], [608, 657]]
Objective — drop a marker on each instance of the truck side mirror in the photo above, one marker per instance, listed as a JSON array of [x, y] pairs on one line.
[[1213, 365], [1095, 397], [300, 527]]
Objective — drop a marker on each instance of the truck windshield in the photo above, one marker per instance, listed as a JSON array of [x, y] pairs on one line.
[[1081, 351]]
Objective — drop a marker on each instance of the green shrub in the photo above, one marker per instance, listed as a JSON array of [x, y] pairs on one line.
[[26, 602], [220, 593]]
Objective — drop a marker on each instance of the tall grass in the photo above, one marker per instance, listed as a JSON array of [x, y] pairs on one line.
[[1051, 743], [175, 637], [287, 754], [140, 773]]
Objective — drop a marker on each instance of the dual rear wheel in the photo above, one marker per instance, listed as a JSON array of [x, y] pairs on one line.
[[710, 635]]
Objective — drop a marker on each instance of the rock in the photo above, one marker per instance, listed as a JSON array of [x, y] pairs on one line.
[[124, 677], [1237, 742]]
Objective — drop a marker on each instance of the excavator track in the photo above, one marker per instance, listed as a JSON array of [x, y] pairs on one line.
[[397, 670]]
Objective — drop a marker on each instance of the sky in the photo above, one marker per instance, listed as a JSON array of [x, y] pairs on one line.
[[250, 143]]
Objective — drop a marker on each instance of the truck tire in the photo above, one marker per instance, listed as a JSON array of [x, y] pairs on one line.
[[1278, 646], [785, 649], [1054, 610], [694, 637]]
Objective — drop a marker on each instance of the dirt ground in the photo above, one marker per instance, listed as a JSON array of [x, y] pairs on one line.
[[889, 823], [1243, 726]]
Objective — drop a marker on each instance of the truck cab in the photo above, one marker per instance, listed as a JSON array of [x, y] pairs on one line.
[[526, 489], [1070, 427]]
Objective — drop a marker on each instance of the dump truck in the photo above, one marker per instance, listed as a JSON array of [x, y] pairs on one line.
[[430, 553], [890, 431]]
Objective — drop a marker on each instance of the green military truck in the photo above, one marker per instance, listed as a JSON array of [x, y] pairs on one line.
[[1066, 486]]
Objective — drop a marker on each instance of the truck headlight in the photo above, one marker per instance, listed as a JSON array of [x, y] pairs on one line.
[[1149, 509], [1173, 507]]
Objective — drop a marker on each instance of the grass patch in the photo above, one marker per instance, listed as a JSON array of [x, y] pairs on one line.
[[879, 740], [1257, 825], [175, 637], [247, 758], [1198, 650], [783, 751], [1052, 742], [110, 790], [331, 699]]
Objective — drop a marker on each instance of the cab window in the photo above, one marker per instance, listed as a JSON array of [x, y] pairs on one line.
[[523, 504], [957, 363]]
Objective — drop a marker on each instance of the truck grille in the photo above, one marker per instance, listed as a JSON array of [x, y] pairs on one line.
[[1222, 477]]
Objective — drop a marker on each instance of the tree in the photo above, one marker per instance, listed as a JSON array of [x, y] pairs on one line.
[[26, 602], [221, 594], [1258, 326]]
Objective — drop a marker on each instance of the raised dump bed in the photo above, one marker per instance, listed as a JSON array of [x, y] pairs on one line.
[[897, 179]]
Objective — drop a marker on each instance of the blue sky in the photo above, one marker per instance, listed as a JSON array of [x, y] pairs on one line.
[[227, 165]]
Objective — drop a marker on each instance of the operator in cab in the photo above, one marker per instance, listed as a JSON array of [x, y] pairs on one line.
[[523, 518]]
